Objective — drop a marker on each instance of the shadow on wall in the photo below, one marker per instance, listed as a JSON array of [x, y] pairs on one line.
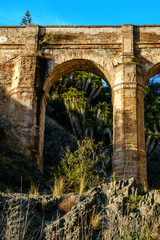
[[17, 133], [15, 130], [15, 164]]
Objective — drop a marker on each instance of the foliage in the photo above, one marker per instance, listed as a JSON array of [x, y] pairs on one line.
[[9, 191], [83, 116], [136, 234], [79, 168], [81, 103], [89, 110], [114, 177], [152, 113], [33, 192], [82, 184], [96, 220], [58, 187], [25, 214], [133, 201], [27, 19]]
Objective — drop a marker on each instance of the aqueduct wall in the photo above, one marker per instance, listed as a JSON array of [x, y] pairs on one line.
[[32, 58]]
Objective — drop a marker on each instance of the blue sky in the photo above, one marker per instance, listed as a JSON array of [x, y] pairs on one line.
[[82, 12]]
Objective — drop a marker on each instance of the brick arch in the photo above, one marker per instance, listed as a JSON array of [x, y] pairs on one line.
[[127, 56], [152, 72], [75, 60], [76, 54], [59, 70]]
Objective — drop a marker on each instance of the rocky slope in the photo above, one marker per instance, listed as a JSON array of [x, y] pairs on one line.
[[115, 210]]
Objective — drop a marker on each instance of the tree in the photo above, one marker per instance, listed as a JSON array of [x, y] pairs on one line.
[[81, 103], [152, 113], [78, 168], [26, 20], [87, 102]]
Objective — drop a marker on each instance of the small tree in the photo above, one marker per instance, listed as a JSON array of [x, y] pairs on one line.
[[26, 20], [80, 169]]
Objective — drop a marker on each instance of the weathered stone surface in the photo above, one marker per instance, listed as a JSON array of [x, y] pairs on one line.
[[32, 58], [56, 141], [120, 214]]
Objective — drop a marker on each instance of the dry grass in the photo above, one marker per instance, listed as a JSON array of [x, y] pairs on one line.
[[67, 203], [33, 192], [18, 214], [83, 183], [58, 188], [96, 220], [135, 231], [85, 230]]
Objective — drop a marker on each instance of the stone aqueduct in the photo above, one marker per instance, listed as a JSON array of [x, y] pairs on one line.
[[32, 58]]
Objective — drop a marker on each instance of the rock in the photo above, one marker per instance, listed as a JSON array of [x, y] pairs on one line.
[[157, 196], [116, 205], [56, 139], [6, 132]]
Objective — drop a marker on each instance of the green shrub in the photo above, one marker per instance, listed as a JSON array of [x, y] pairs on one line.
[[141, 233], [96, 220], [133, 201], [79, 168], [114, 177]]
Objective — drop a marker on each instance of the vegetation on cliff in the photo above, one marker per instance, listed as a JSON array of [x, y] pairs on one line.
[[81, 103]]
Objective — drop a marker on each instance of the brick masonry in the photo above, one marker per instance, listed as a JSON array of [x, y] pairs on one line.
[[32, 58]]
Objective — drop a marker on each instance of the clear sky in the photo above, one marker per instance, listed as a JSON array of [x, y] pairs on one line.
[[82, 12]]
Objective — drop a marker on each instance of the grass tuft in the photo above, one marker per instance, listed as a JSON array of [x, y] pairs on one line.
[[58, 188], [96, 220], [67, 203], [33, 192]]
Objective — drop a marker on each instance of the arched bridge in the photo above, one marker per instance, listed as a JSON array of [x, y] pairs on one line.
[[32, 58]]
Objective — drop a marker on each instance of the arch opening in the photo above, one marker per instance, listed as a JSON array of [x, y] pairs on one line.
[[152, 124], [92, 119], [152, 72], [76, 65]]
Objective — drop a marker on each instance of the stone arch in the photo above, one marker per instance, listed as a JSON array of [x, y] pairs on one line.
[[58, 70], [73, 60], [155, 69]]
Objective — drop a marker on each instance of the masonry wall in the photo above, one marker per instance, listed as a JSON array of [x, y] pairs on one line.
[[32, 58]]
